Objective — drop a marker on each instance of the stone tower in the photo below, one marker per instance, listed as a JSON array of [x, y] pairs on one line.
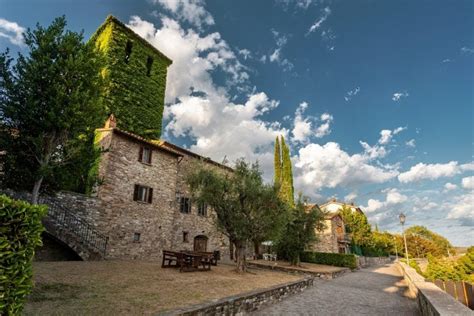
[[134, 78]]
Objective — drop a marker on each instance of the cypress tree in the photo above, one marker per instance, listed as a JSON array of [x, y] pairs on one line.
[[277, 162], [286, 189]]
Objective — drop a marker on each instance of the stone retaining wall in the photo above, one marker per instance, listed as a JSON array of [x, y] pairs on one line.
[[364, 262], [244, 303], [321, 275], [431, 299]]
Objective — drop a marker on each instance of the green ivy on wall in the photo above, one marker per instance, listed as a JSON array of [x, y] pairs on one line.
[[134, 94]]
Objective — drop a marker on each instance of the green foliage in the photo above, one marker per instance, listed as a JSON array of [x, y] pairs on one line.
[[421, 241], [277, 163], [358, 226], [49, 108], [20, 233], [299, 231], [246, 209], [461, 269], [133, 96], [414, 265], [332, 259], [283, 171]]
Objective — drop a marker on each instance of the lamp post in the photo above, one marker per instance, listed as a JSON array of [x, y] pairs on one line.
[[402, 218]]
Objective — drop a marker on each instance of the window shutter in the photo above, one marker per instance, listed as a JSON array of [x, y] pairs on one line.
[[140, 154], [135, 193], [150, 195]]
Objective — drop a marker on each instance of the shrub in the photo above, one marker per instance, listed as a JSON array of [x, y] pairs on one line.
[[20, 233], [333, 259]]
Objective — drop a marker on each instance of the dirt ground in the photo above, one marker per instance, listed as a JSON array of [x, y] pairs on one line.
[[134, 287]]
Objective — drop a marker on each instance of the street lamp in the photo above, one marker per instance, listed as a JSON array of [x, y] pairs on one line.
[[402, 218]]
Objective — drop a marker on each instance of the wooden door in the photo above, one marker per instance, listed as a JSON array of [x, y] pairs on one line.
[[200, 243]]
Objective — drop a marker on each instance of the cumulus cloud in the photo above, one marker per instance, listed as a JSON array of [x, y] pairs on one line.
[[398, 95], [378, 150], [198, 108], [192, 11], [329, 166], [350, 197], [450, 186], [245, 53], [351, 94], [393, 197], [468, 183], [12, 31], [276, 56], [422, 171], [462, 208], [306, 126], [317, 24]]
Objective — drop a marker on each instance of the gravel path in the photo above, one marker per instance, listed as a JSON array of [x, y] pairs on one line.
[[373, 291]]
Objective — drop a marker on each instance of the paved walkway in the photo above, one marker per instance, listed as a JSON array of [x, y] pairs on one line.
[[373, 291]]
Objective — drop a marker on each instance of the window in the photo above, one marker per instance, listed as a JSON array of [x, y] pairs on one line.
[[128, 51], [185, 237], [145, 155], [142, 193], [136, 237], [184, 205], [202, 209], [149, 63]]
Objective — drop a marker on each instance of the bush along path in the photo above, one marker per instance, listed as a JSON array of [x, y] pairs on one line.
[[374, 291]]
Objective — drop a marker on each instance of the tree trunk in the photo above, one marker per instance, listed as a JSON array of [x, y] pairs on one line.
[[36, 190], [240, 257], [256, 246]]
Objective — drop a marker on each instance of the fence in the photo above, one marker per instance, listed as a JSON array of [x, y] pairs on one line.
[[460, 290]]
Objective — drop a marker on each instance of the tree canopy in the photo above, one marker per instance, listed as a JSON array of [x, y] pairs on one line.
[[283, 171], [49, 105], [246, 208]]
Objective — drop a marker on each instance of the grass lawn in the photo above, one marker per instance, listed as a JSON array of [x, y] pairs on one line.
[[134, 287]]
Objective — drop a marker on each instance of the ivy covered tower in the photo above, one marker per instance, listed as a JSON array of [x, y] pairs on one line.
[[134, 78]]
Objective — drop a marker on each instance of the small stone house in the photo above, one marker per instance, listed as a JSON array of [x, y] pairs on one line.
[[334, 237], [144, 203]]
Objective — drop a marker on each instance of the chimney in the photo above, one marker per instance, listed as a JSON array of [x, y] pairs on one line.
[[111, 122]]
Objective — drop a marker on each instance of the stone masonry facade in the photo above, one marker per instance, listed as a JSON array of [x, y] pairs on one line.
[[142, 230]]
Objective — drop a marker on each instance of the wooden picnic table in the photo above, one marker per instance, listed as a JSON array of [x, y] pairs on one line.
[[187, 260]]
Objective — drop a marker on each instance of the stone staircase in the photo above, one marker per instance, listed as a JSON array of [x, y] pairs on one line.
[[67, 227]]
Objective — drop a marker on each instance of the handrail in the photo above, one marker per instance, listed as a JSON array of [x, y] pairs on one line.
[[85, 231], [65, 219]]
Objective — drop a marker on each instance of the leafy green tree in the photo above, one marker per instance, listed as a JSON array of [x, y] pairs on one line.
[[300, 231], [245, 207], [358, 226], [277, 163], [49, 105], [434, 243]]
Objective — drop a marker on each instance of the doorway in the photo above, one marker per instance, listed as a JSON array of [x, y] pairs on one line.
[[200, 243]]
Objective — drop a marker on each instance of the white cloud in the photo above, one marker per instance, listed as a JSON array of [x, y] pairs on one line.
[[447, 60], [191, 11], [329, 166], [467, 50], [393, 197], [411, 143], [378, 150], [12, 31], [325, 128], [386, 135], [350, 197], [276, 56], [423, 171], [203, 111], [468, 183], [398, 95], [450, 186], [351, 93], [317, 24], [303, 126], [245, 53], [462, 207]]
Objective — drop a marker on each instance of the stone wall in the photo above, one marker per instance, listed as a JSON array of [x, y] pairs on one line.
[[363, 262], [247, 302], [431, 299]]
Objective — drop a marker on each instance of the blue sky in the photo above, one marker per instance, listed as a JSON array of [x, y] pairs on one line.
[[374, 97]]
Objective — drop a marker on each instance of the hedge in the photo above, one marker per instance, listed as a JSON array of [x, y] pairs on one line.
[[20, 234], [332, 259]]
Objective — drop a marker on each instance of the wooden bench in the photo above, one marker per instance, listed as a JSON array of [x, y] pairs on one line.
[[172, 259]]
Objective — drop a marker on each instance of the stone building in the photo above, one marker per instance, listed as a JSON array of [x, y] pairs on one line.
[[334, 237]]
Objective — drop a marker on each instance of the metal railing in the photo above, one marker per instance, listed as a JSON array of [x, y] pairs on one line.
[[64, 219], [85, 232]]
